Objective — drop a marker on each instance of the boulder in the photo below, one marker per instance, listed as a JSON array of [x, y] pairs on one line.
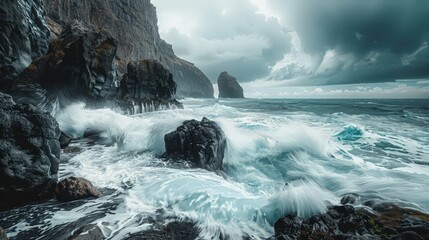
[[75, 188], [200, 142], [229, 87], [29, 153], [148, 86], [24, 35]]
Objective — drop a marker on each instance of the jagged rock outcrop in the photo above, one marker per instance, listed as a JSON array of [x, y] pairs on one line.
[[229, 87], [79, 65], [202, 143], [383, 221], [134, 25], [29, 153], [24, 35], [149, 86], [75, 188]]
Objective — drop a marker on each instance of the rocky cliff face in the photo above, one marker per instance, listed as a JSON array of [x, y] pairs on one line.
[[29, 153], [24, 35], [134, 25]]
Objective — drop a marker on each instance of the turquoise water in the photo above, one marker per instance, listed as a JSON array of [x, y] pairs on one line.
[[283, 156]]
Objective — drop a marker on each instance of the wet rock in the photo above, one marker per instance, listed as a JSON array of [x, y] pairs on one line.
[[65, 139], [349, 199], [134, 25], [74, 188], [408, 236], [174, 230], [200, 142], [346, 222], [24, 35], [3, 235], [80, 65], [29, 153], [148, 86], [72, 149], [229, 87], [88, 232]]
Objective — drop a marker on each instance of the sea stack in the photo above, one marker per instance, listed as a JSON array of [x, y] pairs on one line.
[[229, 87]]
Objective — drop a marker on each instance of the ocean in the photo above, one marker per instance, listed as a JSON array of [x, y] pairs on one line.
[[282, 156]]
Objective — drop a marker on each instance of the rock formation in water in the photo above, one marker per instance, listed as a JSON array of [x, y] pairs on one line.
[[29, 153], [229, 87], [24, 35], [173, 230], [383, 221], [202, 143], [148, 84], [74, 188], [134, 25]]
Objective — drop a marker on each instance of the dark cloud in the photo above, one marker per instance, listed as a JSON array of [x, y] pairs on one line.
[[373, 41], [333, 41], [222, 36]]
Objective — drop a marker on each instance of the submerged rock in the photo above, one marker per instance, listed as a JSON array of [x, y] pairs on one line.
[[387, 221], [74, 188], [148, 86], [88, 232], [29, 153], [229, 87], [173, 230], [24, 35], [200, 142]]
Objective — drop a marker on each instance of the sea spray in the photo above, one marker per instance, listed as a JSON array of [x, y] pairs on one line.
[[279, 161]]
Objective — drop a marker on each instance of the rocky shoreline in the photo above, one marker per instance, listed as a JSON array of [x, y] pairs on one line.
[[71, 60]]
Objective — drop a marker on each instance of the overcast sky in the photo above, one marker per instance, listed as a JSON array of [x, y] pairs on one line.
[[302, 43]]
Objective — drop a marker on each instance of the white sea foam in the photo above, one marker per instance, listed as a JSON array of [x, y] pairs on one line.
[[276, 164]]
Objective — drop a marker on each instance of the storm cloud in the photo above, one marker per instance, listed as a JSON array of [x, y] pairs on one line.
[[309, 42]]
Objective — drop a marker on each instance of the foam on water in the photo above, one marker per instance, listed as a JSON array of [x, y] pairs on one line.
[[277, 162]]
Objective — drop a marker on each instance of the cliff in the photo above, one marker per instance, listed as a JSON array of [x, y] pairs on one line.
[[24, 35], [134, 25]]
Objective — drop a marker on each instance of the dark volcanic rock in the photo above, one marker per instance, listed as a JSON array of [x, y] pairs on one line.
[[229, 87], [29, 153], [74, 188], [65, 140], [200, 142], [346, 222], [148, 86], [24, 35], [3, 235], [79, 65], [173, 231], [134, 25]]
